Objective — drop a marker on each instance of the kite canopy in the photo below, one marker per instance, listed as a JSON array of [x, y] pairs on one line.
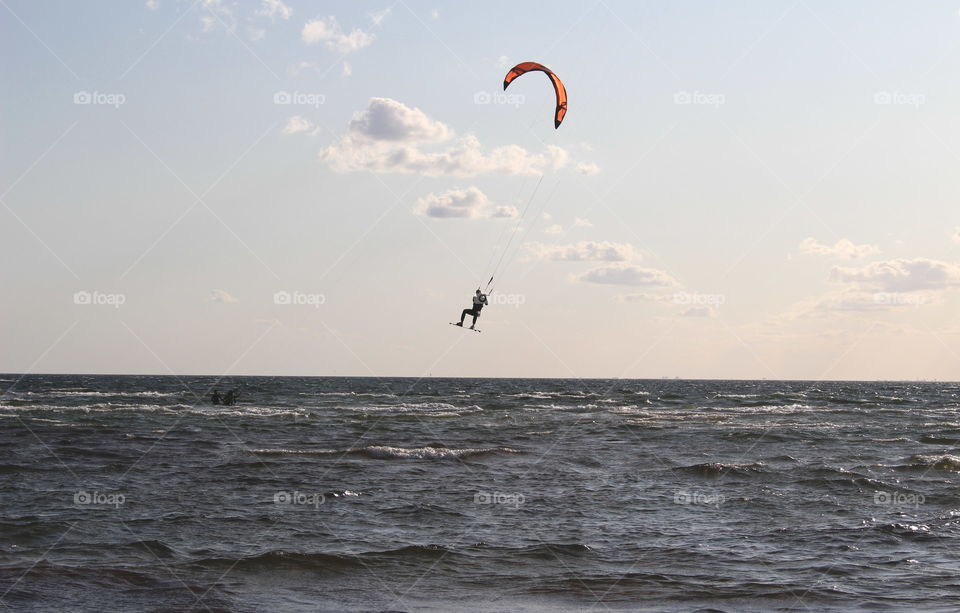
[[561, 91]]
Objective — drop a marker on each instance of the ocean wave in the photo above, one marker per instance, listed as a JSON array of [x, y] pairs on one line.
[[939, 462], [534, 395], [387, 452], [430, 409], [100, 407], [348, 394], [632, 409], [247, 411], [561, 407], [940, 439], [280, 559], [552, 551], [764, 434], [95, 394], [719, 469]]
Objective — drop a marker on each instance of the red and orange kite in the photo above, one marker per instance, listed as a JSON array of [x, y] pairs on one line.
[[558, 87]]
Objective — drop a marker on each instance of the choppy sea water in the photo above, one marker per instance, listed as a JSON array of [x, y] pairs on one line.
[[361, 494]]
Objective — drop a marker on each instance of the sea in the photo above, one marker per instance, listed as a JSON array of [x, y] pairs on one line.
[[135, 493]]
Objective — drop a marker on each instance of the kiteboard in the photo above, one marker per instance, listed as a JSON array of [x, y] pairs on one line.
[[464, 327]]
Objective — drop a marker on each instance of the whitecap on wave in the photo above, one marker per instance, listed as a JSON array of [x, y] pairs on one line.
[[387, 452]]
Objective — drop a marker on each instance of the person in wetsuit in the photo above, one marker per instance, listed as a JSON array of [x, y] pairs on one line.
[[479, 300]]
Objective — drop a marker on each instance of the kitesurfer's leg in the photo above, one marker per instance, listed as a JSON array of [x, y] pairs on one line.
[[475, 315], [463, 316]]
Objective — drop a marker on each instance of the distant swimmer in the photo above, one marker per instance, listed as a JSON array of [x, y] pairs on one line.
[[216, 398], [230, 398], [479, 300]]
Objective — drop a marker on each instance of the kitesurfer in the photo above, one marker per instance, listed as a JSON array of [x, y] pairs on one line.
[[479, 300]]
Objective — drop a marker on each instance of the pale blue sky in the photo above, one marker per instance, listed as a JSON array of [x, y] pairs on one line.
[[796, 220]]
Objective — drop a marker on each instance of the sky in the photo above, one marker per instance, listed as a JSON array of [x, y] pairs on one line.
[[761, 189]]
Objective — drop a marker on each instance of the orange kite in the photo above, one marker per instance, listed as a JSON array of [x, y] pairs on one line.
[[558, 87]]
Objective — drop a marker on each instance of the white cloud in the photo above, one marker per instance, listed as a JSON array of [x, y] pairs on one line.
[[584, 251], [853, 300], [435, 14], [503, 61], [219, 295], [297, 124], [151, 4], [849, 301], [386, 119], [505, 212], [459, 203], [378, 17], [662, 298], [842, 248], [587, 168], [274, 9], [328, 31], [698, 311], [579, 221], [558, 156], [347, 70], [554, 229], [628, 274], [218, 14], [900, 275], [956, 235], [388, 136], [255, 34]]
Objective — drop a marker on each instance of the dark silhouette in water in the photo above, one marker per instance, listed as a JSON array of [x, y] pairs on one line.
[[230, 398], [215, 397], [479, 300]]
